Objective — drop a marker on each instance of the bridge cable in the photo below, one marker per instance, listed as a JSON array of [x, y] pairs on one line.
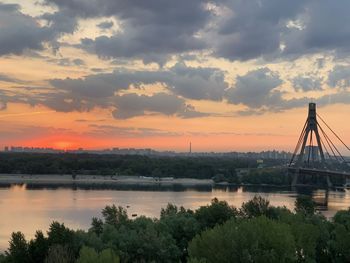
[[326, 136], [324, 147], [327, 141], [299, 142], [333, 132]]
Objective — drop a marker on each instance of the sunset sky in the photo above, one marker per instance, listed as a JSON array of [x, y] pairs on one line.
[[227, 75]]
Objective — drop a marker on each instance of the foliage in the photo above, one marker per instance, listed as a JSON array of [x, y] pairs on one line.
[[111, 164], [115, 216], [258, 206], [267, 176], [305, 205], [217, 212], [257, 240], [89, 255], [257, 232]]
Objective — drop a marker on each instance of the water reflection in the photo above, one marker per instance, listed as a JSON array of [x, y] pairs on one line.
[[29, 207]]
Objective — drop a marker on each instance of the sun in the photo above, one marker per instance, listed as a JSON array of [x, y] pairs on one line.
[[63, 145]]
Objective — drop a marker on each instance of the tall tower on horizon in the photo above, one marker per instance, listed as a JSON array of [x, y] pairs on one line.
[[190, 147]]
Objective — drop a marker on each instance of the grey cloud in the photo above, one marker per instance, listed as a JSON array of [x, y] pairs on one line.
[[105, 25], [152, 31], [5, 78], [194, 83], [307, 83], [256, 89], [66, 62], [109, 130], [254, 27], [131, 105], [339, 77], [325, 28], [20, 32]]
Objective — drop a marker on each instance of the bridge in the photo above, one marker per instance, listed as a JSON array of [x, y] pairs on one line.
[[316, 158]]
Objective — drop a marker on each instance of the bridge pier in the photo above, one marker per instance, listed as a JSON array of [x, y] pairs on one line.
[[329, 183], [295, 178]]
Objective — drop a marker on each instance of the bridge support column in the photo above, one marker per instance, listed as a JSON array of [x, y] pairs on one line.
[[329, 183], [295, 178]]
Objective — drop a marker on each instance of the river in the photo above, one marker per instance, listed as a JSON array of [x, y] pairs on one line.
[[29, 208]]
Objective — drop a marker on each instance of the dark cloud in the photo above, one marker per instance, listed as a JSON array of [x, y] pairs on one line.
[[105, 25], [5, 78], [339, 77], [66, 62], [235, 30], [109, 130], [324, 28], [307, 83], [20, 32], [256, 89], [151, 31], [194, 83], [253, 28], [131, 105]]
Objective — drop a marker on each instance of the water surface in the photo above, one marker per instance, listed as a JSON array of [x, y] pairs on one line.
[[28, 208]]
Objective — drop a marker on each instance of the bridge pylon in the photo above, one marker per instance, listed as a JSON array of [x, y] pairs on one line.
[[314, 153]]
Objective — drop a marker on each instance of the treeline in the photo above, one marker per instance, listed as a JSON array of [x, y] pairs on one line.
[[94, 164], [257, 232]]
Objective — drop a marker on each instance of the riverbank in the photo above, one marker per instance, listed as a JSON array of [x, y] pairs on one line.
[[98, 180]]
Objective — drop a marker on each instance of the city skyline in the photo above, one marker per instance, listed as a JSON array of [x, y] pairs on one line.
[[225, 75]]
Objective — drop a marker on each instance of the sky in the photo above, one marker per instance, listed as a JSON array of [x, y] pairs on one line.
[[226, 75]]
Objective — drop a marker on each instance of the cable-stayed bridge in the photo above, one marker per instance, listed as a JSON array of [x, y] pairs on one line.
[[316, 157]]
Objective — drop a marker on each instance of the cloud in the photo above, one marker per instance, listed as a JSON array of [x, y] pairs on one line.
[[20, 32], [110, 130], [151, 32], [105, 25], [131, 105], [189, 82], [324, 28], [251, 29], [339, 77], [307, 83], [256, 89], [5, 78]]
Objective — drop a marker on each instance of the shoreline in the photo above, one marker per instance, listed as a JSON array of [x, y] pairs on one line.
[[99, 180]]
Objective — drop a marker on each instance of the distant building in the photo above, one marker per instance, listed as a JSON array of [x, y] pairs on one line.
[[312, 153]]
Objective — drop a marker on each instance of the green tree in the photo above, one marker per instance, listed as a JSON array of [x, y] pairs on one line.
[[108, 256], [59, 234], [18, 249], [59, 254], [217, 212], [87, 255], [38, 248], [305, 205], [96, 226], [258, 206], [256, 240], [115, 216], [181, 225]]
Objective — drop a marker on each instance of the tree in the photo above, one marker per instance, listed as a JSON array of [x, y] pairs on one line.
[[59, 234], [217, 212], [255, 240], [96, 226], [18, 249], [38, 248], [304, 205], [87, 255], [115, 215], [258, 206], [59, 254], [181, 225], [108, 256]]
